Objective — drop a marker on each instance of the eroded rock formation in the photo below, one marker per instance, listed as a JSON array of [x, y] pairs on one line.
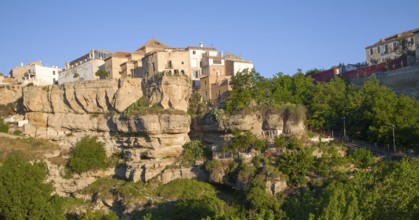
[[10, 94], [150, 142]]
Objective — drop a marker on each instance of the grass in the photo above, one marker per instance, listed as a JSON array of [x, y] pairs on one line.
[[103, 187], [30, 147], [108, 188], [142, 107]]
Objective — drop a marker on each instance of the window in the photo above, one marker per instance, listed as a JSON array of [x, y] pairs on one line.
[[154, 67], [394, 45], [386, 48], [182, 62], [169, 64], [371, 51], [216, 61], [378, 49], [53, 73], [193, 52]]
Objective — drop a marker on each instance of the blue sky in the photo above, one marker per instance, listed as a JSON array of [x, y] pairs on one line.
[[279, 36]]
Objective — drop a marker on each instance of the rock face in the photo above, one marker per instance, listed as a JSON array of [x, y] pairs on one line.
[[9, 94], [267, 125], [85, 97], [150, 142], [171, 92]]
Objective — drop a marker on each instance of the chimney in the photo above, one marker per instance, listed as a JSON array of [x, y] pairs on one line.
[[201, 44]]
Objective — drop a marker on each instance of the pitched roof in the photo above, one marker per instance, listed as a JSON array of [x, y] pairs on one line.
[[153, 43], [120, 54], [394, 37]]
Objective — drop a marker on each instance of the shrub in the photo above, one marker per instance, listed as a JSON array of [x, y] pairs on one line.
[[88, 154], [280, 141], [194, 150], [294, 143], [102, 74], [17, 132], [243, 141], [363, 158], [24, 192]]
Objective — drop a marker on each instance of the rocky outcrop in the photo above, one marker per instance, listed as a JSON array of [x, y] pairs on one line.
[[85, 97], [265, 125], [150, 142], [10, 94], [171, 92]]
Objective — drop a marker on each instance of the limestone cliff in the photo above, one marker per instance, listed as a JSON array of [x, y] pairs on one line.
[[10, 94], [215, 129], [150, 142]]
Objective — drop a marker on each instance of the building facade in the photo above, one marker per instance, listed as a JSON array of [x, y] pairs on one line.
[[217, 70], [196, 55], [174, 61], [113, 64], [388, 48], [19, 71], [35, 73], [41, 75], [84, 67]]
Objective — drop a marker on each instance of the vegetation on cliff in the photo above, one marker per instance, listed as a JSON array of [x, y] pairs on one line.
[[369, 111], [24, 193], [87, 154]]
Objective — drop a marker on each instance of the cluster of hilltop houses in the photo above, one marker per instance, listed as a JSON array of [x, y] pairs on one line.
[[390, 53], [210, 70]]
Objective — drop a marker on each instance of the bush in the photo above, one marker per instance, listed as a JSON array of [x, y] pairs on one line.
[[280, 141], [17, 132], [88, 154], [194, 150], [102, 74], [294, 143], [363, 158], [24, 192], [242, 142]]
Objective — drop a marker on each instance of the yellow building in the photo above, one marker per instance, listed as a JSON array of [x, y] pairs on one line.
[[217, 70], [113, 64], [171, 61], [20, 71]]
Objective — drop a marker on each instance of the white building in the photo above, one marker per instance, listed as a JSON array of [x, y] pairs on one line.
[[41, 75], [84, 71], [84, 67], [196, 54]]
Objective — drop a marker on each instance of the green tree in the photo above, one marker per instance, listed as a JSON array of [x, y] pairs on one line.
[[88, 154], [242, 142], [242, 94], [313, 71], [24, 194], [194, 150], [102, 74], [404, 46], [363, 158], [296, 164]]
